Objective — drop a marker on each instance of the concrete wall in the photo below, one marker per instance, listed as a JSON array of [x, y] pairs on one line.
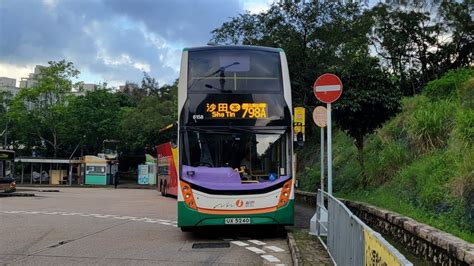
[[424, 241]]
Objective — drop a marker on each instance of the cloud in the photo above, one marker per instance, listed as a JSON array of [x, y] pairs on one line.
[[113, 39]]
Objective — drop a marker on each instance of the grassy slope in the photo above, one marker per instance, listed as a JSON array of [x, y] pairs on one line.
[[420, 163]]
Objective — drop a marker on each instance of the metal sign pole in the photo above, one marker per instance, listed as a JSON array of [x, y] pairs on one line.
[[322, 163], [329, 149]]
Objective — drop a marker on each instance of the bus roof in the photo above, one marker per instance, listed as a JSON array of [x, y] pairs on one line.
[[7, 151], [234, 47]]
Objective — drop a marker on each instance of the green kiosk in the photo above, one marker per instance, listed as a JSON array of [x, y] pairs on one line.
[[99, 171]]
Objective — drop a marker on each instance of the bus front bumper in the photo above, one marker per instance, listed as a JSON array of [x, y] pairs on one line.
[[188, 217]]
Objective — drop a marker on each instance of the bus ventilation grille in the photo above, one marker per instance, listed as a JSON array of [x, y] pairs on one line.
[[212, 245]]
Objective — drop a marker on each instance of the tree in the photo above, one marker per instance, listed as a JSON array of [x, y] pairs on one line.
[[39, 112], [422, 41], [5, 99], [316, 36], [91, 119], [369, 99], [140, 125], [150, 85]]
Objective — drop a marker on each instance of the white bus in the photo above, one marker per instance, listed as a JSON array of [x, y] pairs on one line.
[[235, 141]]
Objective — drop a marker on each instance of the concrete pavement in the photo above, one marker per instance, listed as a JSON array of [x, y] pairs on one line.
[[103, 226]]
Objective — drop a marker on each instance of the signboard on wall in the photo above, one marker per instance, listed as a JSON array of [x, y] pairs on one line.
[[299, 124], [376, 252], [143, 174]]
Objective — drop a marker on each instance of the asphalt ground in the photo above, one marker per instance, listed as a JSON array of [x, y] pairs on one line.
[[105, 226]]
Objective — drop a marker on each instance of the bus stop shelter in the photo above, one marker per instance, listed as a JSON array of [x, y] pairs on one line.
[[60, 170]]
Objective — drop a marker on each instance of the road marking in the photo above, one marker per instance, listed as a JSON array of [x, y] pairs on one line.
[[239, 243], [256, 242], [96, 215], [270, 258], [276, 249], [256, 250]]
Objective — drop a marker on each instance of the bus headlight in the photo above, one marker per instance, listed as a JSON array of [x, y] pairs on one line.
[[188, 195], [285, 194]]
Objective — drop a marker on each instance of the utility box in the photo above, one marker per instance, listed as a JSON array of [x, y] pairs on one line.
[[147, 174], [96, 171]]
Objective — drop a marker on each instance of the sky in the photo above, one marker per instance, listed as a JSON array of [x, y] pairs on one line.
[[110, 41]]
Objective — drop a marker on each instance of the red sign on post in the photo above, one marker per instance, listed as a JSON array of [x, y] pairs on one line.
[[327, 88]]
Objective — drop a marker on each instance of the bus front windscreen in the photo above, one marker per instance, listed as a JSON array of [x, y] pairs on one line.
[[260, 156], [233, 71]]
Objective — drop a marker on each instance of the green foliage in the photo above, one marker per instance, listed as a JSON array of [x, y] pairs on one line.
[[431, 123], [369, 99], [39, 113], [347, 172], [385, 159], [466, 94], [425, 181], [465, 125], [91, 119], [316, 37], [449, 84], [140, 125], [387, 198], [419, 163], [408, 40]]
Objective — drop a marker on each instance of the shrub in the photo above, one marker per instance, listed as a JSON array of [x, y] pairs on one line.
[[426, 182], [448, 84], [465, 126], [430, 125], [384, 159], [466, 94]]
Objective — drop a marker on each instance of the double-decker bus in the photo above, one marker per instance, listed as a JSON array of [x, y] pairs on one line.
[[7, 182], [235, 137], [167, 162]]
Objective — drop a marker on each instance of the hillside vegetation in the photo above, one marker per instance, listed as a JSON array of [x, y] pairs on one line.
[[420, 163]]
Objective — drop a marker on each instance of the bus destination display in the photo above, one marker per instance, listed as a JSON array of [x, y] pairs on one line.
[[237, 110]]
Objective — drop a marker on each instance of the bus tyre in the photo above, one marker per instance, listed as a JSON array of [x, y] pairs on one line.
[[163, 189], [187, 228], [280, 230]]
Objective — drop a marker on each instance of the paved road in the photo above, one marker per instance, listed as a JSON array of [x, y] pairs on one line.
[[120, 227]]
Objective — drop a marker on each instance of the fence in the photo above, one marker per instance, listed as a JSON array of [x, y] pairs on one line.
[[349, 240]]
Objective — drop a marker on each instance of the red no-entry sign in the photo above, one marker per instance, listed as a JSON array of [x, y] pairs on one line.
[[327, 88]]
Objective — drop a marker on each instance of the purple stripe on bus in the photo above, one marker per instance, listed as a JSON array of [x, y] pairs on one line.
[[223, 178]]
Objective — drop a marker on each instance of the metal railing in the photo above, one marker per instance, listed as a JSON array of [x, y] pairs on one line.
[[349, 240]]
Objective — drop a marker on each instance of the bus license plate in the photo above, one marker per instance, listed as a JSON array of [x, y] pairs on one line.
[[237, 221]]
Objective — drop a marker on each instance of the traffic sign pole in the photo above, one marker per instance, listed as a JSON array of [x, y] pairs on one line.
[[329, 150], [322, 163]]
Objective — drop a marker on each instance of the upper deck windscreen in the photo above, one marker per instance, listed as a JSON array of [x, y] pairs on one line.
[[234, 71]]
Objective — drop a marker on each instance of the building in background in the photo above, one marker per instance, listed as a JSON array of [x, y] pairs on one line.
[[9, 85], [31, 81], [89, 87], [7, 82]]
